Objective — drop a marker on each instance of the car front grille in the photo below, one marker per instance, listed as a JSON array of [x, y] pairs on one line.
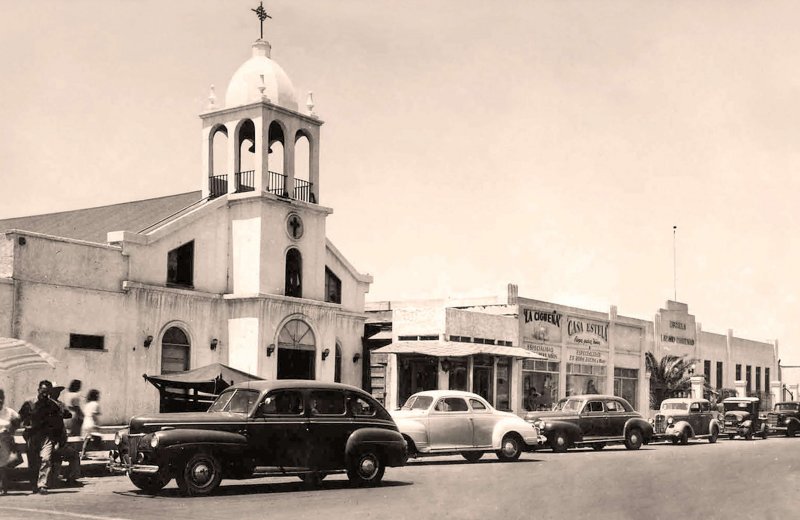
[[731, 419], [133, 445], [661, 424], [774, 419]]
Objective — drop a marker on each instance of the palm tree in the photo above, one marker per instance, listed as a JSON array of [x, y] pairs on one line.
[[669, 377]]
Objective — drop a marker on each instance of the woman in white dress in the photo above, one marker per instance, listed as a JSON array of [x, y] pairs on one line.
[[91, 412]]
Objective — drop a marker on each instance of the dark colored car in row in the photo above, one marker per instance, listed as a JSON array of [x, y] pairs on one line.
[[304, 428], [742, 418], [592, 421], [784, 418]]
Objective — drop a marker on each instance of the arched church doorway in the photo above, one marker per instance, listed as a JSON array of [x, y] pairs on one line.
[[175, 351], [297, 351]]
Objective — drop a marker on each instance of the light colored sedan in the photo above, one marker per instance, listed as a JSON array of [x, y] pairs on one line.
[[439, 422]]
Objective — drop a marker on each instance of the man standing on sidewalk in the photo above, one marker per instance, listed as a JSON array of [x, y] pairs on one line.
[[44, 430]]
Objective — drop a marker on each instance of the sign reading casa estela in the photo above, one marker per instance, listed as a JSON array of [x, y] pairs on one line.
[[586, 332]]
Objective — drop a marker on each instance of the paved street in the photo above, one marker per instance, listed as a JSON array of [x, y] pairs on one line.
[[732, 479]]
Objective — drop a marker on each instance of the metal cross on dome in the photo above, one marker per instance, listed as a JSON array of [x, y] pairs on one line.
[[262, 15]]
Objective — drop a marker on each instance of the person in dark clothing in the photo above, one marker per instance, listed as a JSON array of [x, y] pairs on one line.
[[44, 431]]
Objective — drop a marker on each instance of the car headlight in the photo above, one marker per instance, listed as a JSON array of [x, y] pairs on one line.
[[118, 438], [154, 441], [670, 420], [538, 423]]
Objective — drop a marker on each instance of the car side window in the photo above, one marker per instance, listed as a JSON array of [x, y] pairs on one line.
[[282, 402], [705, 407], [694, 408], [360, 407], [326, 402], [451, 404], [593, 407], [613, 406], [478, 406]]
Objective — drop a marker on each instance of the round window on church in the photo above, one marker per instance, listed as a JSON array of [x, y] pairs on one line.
[[294, 226]]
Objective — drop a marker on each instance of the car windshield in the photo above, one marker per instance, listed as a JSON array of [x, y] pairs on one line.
[[418, 402], [674, 406], [737, 405], [786, 407], [571, 405], [235, 401]]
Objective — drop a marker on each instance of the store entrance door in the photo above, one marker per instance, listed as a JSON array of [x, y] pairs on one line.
[[482, 382], [416, 374]]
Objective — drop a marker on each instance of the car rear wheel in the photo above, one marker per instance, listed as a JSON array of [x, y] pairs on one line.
[[714, 434], [150, 483], [472, 456], [560, 442], [597, 446], [731, 436], [791, 431], [365, 468], [200, 476], [633, 439], [510, 448]]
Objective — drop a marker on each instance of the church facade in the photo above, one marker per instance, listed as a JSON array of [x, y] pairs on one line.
[[239, 272]]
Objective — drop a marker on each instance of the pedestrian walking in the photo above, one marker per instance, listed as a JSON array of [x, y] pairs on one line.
[[65, 452], [91, 414], [9, 420], [72, 400], [44, 430]]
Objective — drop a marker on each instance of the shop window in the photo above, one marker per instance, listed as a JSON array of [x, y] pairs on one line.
[[457, 375], [766, 379], [585, 379], [180, 266], [707, 370], [333, 287], [86, 342], [758, 379], [539, 384], [747, 379], [626, 384], [294, 273], [503, 384], [462, 339], [738, 372], [719, 374]]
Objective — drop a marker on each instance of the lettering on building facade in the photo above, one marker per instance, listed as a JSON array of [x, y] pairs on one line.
[[547, 351], [677, 325], [588, 355], [540, 325], [585, 332]]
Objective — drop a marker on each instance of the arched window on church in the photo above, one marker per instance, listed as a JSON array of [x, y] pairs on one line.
[[245, 170], [294, 273], [218, 162], [276, 182], [337, 367], [175, 351], [302, 165], [297, 351]]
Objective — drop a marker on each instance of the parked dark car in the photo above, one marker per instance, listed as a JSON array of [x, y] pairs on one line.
[[784, 418], [592, 421], [680, 419], [742, 418], [304, 428]]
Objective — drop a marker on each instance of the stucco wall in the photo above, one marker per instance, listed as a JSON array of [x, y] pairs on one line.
[[480, 325], [419, 320], [7, 255]]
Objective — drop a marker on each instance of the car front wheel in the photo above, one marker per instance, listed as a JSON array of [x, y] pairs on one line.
[[714, 435], [633, 439], [472, 456], [560, 442], [684, 438], [510, 448], [150, 483], [366, 468], [791, 431], [200, 476]]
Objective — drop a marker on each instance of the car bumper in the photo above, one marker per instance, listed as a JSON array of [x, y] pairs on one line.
[[121, 464]]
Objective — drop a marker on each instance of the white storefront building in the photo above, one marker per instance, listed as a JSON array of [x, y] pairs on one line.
[[480, 345]]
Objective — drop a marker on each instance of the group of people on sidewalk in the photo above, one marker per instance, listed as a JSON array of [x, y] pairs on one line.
[[48, 422]]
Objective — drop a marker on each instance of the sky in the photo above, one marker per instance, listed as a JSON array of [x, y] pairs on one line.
[[467, 144]]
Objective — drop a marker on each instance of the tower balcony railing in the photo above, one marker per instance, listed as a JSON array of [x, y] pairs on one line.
[[217, 185], [276, 184], [245, 181], [302, 191]]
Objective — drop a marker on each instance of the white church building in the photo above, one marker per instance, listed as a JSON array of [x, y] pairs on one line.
[[239, 272]]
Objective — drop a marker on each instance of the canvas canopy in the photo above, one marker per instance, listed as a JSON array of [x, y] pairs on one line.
[[195, 389]]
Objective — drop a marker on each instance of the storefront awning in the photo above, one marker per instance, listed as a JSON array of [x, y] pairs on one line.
[[384, 334], [441, 348]]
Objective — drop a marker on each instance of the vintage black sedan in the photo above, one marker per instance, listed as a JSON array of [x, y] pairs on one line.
[[304, 428], [592, 421], [743, 418], [784, 418]]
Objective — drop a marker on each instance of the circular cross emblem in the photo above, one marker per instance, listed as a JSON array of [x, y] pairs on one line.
[[294, 226]]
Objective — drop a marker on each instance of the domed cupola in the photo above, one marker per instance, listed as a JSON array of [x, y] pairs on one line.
[[260, 74]]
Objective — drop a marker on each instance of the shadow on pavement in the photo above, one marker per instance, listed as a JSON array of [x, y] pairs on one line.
[[236, 488], [424, 462]]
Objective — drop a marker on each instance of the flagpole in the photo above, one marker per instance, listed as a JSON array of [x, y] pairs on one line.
[[674, 265]]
